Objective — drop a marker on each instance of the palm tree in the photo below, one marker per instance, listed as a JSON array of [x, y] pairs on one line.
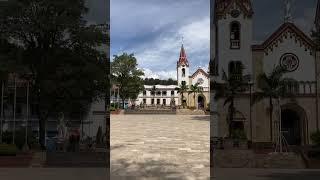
[[195, 89], [153, 92], [235, 84], [182, 89], [272, 86]]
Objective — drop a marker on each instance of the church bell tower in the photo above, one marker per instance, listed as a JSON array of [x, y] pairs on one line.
[[183, 68], [233, 36]]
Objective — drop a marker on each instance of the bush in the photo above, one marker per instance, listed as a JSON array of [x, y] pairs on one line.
[[8, 150], [19, 139], [192, 108], [315, 138], [112, 108], [239, 134]]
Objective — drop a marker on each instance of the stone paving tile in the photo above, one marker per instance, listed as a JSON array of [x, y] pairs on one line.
[[160, 146]]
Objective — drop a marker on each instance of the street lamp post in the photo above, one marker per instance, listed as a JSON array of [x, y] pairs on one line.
[[280, 126], [1, 123], [14, 109], [27, 117], [251, 133]]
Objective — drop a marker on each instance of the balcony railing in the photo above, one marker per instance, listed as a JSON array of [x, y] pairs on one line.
[[235, 44]]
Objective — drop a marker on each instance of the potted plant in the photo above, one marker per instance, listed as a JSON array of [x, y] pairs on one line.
[[315, 138], [227, 143], [240, 139]]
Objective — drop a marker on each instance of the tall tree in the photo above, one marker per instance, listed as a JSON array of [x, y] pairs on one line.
[[272, 86], [195, 89], [128, 77], [181, 90], [61, 52], [233, 85]]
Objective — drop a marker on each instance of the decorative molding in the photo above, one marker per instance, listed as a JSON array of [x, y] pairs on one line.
[[285, 31]]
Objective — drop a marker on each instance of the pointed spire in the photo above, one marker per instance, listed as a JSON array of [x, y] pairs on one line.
[[183, 57], [317, 18]]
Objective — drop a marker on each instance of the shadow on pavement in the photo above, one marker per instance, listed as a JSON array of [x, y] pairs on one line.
[[299, 175], [122, 169], [201, 118]]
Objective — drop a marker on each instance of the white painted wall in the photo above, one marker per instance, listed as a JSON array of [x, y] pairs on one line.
[[206, 82], [179, 75], [306, 69], [225, 54]]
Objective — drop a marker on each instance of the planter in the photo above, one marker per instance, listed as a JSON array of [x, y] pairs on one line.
[[235, 144], [8, 150], [228, 144], [115, 112]]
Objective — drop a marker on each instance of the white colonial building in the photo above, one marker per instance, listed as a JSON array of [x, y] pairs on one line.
[[168, 95], [158, 95]]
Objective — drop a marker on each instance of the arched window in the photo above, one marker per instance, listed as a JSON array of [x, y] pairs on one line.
[[183, 72], [235, 35]]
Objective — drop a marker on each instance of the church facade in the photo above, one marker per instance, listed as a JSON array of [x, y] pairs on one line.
[[161, 95], [288, 47]]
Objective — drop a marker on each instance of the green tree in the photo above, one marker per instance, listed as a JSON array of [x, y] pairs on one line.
[[195, 89], [128, 77], [61, 52], [272, 86], [181, 90], [234, 85]]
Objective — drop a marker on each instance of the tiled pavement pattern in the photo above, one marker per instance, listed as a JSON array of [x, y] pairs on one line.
[[266, 174], [159, 147], [101, 174]]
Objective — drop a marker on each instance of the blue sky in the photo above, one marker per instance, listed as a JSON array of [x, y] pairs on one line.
[[152, 29]]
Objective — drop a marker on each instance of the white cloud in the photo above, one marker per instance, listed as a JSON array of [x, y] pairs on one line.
[[163, 53], [148, 73], [152, 30]]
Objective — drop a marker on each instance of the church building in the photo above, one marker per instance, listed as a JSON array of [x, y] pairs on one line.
[[288, 47], [162, 95]]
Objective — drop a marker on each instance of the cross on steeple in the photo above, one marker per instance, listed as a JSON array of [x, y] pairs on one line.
[[288, 11]]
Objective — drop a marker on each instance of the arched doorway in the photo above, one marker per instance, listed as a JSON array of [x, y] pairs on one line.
[[201, 102], [293, 125]]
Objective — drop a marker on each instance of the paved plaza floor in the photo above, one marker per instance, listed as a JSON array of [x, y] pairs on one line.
[[160, 147], [101, 174], [146, 147]]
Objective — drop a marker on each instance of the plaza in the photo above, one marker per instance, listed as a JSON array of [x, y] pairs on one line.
[[160, 147]]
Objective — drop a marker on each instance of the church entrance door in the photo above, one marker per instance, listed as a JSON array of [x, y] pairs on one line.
[[292, 126], [201, 102]]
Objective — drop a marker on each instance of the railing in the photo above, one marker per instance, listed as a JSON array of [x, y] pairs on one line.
[[235, 44], [301, 88]]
